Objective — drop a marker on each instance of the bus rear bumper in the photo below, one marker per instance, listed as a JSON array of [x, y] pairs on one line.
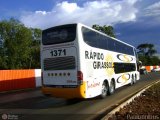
[[67, 93]]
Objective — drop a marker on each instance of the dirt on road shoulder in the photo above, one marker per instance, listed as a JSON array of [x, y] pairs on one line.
[[144, 107]]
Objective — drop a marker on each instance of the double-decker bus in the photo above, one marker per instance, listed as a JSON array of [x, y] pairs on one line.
[[80, 62]]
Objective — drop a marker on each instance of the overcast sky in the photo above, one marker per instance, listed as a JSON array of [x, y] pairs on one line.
[[134, 21]]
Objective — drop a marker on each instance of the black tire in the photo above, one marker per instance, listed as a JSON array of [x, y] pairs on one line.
[[111, 89], [135, 80], [104, 90], [132, 81]]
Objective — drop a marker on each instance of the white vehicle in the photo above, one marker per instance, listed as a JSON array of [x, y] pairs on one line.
[[80, 62], [155, 70]]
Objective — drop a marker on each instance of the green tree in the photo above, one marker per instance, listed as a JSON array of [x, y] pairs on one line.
[[35, 49], [18, 41], [105, 29], [146, 54], [146, 49]]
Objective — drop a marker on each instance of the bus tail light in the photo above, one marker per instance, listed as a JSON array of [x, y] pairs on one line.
[[80, 77]]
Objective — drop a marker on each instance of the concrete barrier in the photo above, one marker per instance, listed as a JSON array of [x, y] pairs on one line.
[[38, 77], [149, 68], [19, 79]]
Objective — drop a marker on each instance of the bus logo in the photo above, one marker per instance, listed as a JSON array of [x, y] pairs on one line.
[[110, 68], [124, 58], [123, 78]]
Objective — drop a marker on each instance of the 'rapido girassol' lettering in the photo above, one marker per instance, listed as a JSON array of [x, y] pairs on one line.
[[98, 56]]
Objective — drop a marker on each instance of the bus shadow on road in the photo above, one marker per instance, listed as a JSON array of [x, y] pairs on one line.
[[74, 101]]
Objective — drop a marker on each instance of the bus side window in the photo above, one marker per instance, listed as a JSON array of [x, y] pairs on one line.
[[101, 42], [89, 37]]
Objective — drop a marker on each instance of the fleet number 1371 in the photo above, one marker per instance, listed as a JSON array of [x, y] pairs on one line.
[[60, 52]]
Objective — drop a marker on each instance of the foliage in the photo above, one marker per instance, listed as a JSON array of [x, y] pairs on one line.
[[20, 47], [147, 49], [35, 49], [146, 54], [105, 29]]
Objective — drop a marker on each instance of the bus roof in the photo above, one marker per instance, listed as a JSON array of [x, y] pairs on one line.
[[80, 24]]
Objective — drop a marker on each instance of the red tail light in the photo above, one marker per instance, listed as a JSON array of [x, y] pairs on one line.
[[80, 77]]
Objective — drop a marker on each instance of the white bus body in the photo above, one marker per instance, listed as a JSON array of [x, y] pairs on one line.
[[80, 62]]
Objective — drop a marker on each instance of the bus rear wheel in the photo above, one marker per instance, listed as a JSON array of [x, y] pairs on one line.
[[132, 81], [104, 90], [135, 80], [111, 88]]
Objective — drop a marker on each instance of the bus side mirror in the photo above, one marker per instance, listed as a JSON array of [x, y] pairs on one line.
[[140, 64]]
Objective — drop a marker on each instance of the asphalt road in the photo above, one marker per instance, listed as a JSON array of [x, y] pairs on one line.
[[33, 105]]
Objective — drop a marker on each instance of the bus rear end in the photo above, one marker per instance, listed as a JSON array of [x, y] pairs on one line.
[[61, 75]]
